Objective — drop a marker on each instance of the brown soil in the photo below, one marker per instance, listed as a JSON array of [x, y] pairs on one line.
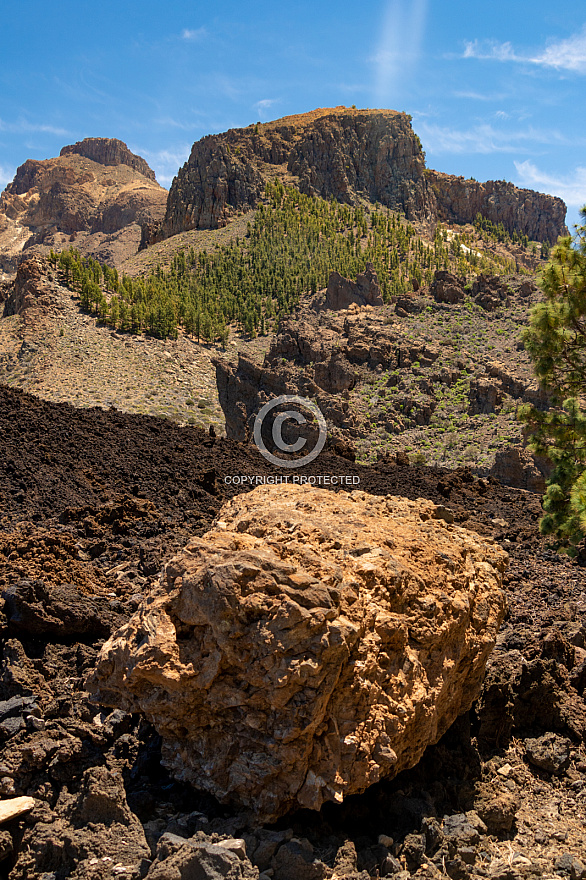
[[93, 501]]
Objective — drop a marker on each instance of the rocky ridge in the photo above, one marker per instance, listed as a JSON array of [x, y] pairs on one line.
[[96, 194], [349, 155]]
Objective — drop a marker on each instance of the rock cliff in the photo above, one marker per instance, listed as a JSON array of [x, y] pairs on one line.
[[309, 645], [96, 194], [346, 154], [459, 200], [109, 151]]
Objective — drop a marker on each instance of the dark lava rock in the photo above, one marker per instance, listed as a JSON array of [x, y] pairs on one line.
[[36, 608], [549, 752]]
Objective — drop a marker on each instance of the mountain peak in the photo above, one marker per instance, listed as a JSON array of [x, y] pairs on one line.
[[109, 151]]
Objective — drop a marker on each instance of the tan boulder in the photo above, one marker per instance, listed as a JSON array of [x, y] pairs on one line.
[[309, 645]]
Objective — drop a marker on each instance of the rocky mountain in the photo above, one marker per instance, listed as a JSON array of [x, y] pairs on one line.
[[95, 195], [347, 154]]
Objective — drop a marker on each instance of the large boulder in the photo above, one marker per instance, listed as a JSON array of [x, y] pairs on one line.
[[308, 645]]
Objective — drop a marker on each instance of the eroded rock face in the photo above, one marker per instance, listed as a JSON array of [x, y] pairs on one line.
[[459, 200], [347, 154], [109, 151], [95, 194], [309, 645], [342, 292]]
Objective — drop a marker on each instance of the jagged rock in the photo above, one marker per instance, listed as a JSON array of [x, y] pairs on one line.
[[341, 292], [335, 375], [295, 860], [516, 466], [109, 151], [409, 305], [549, 752], [336, 636], [202, 860], [484, 396], [490, 292], [31, 291], [90, 834], [349, 155], [567, 865], [496, 806], [446, 288], [36, 608]]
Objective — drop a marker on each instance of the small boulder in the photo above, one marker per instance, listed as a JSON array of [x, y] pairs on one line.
[[549, 752]]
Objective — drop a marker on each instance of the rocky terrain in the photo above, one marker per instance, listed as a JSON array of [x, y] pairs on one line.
[[96, 194], [350, 155], [437, 375], [93, 504], [394, 666]]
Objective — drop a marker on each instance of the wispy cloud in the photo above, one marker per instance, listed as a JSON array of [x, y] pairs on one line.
[[6, 175], [484, 138], [165, 163], [23, 126], [479, 96], [262, 107], [193, 35], [399, 47], [571, 187], [568, 54]]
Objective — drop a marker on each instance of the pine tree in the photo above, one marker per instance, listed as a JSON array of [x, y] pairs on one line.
[[556, 342]]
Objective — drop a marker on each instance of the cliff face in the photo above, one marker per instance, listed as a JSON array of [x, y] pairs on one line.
[[96, 194], [109, 151], [537, 215], [340, 153], [346, 154]]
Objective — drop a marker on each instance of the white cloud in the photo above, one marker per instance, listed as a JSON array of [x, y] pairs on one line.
[[193, 35], [262, 107], [571, 187], [399, 47], [568, 54], [483, 138], [477, 96], [489, 50], [22, 126], [165, 163]]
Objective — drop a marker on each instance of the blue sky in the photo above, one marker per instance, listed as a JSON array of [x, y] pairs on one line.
[[496, 90]]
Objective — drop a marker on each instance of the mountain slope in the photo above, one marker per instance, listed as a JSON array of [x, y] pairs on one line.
[[347, 154]]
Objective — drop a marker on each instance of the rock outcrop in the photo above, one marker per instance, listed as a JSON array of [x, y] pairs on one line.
[[516, 466], [347, 154], [109, 151], [309, 645], [342, 292], [96, 194], [459, 200]]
